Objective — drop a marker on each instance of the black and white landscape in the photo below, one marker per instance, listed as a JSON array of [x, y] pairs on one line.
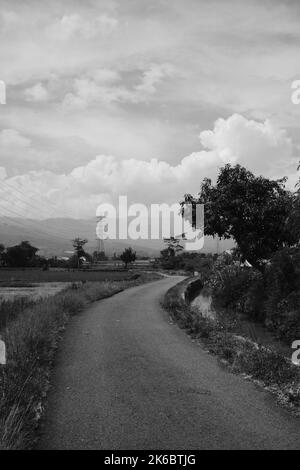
[[149, 227]]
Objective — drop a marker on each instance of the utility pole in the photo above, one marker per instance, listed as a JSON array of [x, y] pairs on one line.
[[100, 245], [100, 236]]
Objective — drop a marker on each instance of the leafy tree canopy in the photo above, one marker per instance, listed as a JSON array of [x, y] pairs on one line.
[[252, 210], [128, 256], [78, 244], [294, 221], [21, 255]]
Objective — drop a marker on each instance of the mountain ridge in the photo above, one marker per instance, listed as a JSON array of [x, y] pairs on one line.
[[53, 236]]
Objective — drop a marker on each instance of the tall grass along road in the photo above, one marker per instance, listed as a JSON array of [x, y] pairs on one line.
[[128, 379]]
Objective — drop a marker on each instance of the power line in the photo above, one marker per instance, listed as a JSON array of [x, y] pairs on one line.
[[27, 228], [17, 214], [62, 232], [36, 207], [63, 235], [28, 196]]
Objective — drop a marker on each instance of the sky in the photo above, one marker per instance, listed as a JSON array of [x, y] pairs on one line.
[[144, 99]]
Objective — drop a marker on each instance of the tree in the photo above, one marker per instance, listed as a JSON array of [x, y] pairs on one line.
[[21, 255], [252, 210], [294, 221], [78, 244], [128, 256], [2, 250], [168, 254], [173, 246]]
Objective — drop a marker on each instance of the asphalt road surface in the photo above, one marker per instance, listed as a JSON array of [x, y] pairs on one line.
[[126, 378]]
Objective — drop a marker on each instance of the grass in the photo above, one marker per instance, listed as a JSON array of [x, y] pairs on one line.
[[10, 309], [32, 335], [241, 355], [63, 275], [15, 284]]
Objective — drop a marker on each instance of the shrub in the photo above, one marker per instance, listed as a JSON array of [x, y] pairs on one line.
[[280, 278], [253, 302], [285, 321], [268, 366], [282, 306], [237, 288]]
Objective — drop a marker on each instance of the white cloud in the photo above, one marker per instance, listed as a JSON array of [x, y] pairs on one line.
[[103, 87], [152, 76], [105, 75], [10, 138], [3, 173], [261, 146], [37, 92], [104, 178], [74, 25], [8, 20]]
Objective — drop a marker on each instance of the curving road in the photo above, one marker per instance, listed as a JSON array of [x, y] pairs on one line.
[[126, 378]]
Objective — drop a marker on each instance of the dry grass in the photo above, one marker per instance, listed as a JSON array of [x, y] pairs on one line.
[[10, 309]]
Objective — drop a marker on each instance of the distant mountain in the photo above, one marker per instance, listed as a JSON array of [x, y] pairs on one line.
[[54, 237]]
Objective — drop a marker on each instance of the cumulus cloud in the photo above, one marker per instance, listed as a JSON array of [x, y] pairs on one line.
[[104, 178], [37, 92], [16, 151], [261, 146], [103, 87], [151, 77]]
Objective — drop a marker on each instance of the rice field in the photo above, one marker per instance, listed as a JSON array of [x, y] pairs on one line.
[[34, 291], [35, 284], [60, 275]]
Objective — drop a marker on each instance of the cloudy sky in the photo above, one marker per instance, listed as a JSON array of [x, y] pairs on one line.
[[139, 98]]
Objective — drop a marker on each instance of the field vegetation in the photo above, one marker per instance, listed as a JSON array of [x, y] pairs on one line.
[[28, 275]]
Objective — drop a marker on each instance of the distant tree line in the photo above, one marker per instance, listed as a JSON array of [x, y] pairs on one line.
[[22, 255]]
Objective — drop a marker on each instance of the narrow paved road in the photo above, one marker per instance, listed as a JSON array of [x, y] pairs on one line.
[[126, 378]]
